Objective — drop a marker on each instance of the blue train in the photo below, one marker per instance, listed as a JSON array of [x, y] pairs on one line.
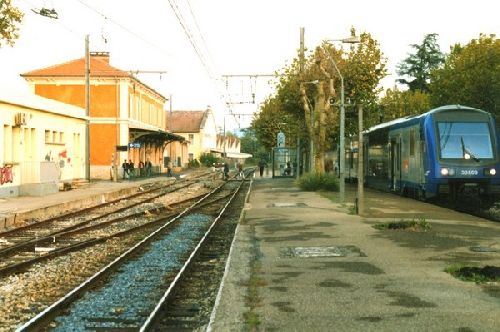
[[449, 151]]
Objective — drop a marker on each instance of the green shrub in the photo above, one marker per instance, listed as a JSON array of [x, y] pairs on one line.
[[194, 163], [208, 159], [314, 182]]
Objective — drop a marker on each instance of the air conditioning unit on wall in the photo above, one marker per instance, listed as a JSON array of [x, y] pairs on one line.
[[21, 119]]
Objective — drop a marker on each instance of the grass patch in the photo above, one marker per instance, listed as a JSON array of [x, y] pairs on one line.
[[315, 182], [252, 299], [416, 225], [479, 275], [351, 208]]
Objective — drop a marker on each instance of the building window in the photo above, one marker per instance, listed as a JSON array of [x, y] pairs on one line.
[[54, 137], [191, 157], [191, 137]]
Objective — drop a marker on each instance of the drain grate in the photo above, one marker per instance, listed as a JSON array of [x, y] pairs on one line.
[[483, 249], [336, 251], [286, 205]]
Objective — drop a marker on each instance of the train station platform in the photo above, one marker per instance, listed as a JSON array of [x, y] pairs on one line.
[[16, 210], [302, 262]]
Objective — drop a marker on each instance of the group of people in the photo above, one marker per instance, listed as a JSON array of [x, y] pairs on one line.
[[129, 168], [216, 168]]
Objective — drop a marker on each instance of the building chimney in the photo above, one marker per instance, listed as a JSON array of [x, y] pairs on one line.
[[103, 56]]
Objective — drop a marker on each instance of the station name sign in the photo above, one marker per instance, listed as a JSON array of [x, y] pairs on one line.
[[129, 146], [134, 145]]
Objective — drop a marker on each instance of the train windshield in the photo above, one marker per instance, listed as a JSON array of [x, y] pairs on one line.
[[459, 138]]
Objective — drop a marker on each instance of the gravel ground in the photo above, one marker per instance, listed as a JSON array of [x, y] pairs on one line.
[[23, 295], [136, 284]]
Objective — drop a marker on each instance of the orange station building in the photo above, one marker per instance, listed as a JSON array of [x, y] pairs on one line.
[[126, 118]]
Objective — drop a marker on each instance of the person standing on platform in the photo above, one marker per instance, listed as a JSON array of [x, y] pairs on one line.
[[226, 171], [131, 169], [169, 168], [125, 169], [262, 165], [240, 171], [148, 167], [141, 168]]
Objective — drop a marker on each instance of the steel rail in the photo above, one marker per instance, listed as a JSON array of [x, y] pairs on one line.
[[17, 267], [34, 323], [102, 205], [73, 214], [49, 237], [161, 302], [228, 262]]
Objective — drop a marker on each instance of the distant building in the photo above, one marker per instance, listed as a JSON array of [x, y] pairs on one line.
[[229, 146], [198, 128], [228, 143], [43, 144], [127, 118]]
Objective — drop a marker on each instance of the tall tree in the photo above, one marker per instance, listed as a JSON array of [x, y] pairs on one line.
[[304, 99], [396, 104], [418, 66], [10, 18], [470, 76], [250, 144]]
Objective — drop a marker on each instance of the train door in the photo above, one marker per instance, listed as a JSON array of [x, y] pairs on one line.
[[395, 163]]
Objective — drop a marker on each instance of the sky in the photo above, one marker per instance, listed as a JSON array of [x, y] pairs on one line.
[[230, 37]]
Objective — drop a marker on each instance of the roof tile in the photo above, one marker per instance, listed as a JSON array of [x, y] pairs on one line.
[[99, 66], [185, 121]]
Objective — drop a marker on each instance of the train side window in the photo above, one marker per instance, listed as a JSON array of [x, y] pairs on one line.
[[412, 143]]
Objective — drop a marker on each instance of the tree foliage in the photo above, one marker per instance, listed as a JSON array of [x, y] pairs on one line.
[[302, 101], [271, 120], [397, 104], [418, 66], [250, 144], [10, 18], [470, 76]]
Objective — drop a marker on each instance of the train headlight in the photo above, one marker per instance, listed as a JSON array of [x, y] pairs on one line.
[[490, 171], [467, 156], [445, 171]]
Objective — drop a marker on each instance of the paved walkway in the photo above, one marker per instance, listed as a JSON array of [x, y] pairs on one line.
[[303, 263]]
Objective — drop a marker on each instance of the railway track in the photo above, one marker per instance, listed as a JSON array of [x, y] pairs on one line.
[[78, 218], [129, 215], [183, 226], [190, 303]]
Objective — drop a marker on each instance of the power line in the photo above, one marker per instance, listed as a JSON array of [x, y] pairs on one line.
[[124, 28], [189, 35], [225, 98], [199, 32], [80, 36]]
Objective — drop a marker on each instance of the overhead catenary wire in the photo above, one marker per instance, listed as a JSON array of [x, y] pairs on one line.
[[79, 35], [203, 54], [124, 28], [190, 37]]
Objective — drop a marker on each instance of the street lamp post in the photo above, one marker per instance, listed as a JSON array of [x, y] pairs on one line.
[[350, 40]]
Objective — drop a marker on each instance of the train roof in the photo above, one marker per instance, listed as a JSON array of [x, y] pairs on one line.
[[415, 118]]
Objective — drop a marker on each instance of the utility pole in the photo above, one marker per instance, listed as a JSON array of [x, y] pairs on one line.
[[87, 108], [301, 66], [361, 175], [301, 63]]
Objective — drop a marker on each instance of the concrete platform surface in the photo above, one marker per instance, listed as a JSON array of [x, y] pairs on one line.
[[301, 262]]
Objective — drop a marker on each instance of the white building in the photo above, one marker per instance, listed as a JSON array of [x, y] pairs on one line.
[[43, 144]]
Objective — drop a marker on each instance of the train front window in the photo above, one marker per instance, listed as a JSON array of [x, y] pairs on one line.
[[456, 138]]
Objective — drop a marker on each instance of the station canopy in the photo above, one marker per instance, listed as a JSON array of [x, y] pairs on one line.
[[238, 155], [158, 138]]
